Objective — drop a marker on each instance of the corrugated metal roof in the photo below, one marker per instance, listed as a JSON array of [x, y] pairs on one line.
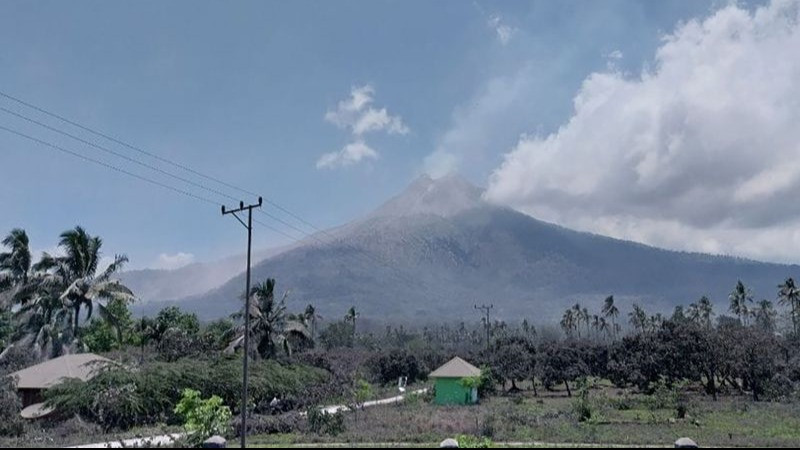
[[83, 366], [456, 368]]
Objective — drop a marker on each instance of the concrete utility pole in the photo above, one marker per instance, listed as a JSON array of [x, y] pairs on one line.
[[486, 309], [249, 226]]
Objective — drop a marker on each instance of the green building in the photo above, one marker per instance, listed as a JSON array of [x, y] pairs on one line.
[[448, 381]]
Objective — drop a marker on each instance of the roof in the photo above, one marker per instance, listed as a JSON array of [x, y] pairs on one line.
[[83, 366], [456, 368], [35, 411]]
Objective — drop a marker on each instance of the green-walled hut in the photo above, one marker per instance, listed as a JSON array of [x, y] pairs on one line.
[[450, 386]]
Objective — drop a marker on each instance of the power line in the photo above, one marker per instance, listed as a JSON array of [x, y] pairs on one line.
[[117, 154], [150, 167], [155, 156], [106, 165], [177, 177], [130, 174]]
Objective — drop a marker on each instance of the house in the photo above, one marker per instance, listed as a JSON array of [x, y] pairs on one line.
[[450, 385], [34, 380]]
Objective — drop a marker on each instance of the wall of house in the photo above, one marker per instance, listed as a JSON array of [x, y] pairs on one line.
[[449, 391]]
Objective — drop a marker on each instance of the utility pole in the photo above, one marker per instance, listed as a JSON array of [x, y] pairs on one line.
[[249, 226], [486, 309]]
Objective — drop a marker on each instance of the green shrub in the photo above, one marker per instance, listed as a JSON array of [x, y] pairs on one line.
[[119, 398], [203, 418], [322, 422], [470, 441], [11, 424]]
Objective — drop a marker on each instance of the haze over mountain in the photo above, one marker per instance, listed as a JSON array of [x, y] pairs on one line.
[[433, 251], [192, 279]]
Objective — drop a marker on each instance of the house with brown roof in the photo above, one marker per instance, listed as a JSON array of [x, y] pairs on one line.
[[34, 380]]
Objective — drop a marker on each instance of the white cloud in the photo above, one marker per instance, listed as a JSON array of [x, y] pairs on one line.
[[357, 115], [701, 153], [175, 261], [504, 32], [352, 153]]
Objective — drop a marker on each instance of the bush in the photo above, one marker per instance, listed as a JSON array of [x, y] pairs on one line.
[[582, 405], [321, 422], [469, 441], [203, 418], [261, 424], [11, 424], [118, 398], [388, 368]]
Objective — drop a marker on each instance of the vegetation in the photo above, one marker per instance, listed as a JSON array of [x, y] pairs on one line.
[[203, 418], [597, 378]]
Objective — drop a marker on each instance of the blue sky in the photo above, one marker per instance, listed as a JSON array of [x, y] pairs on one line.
[[240, 90]]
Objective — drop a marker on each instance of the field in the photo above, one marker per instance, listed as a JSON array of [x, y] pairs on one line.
[[617, 418]]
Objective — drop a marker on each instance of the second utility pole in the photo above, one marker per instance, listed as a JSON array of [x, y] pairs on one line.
[[249, 226]]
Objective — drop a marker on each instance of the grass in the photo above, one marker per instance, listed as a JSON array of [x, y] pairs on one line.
[[549, 419]]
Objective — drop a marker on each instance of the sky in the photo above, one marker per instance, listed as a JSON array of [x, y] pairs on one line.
[[672, 123]]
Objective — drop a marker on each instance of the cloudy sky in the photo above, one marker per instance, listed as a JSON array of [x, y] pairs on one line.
[[672, 123]]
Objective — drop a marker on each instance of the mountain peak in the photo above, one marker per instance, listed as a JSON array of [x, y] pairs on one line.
[[444, 196]]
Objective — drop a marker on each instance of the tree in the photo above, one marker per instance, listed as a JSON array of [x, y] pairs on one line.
[[789, 295], [100, 336], [568, 322], [560, 363], [610, 311], [269, 325], [15, 265], [311, 317], [765, 315], [351, 316], [80, 284], [513, 358], [638, 318], [701, 312], [52, 292], [740, 299]]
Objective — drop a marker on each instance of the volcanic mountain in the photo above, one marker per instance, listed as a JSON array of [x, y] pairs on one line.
[[436, 249]]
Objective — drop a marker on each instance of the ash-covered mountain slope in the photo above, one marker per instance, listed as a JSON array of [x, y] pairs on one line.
[[436, 249]]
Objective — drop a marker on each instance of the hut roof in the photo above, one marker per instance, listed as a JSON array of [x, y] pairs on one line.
[[456, 368], [83, 366]]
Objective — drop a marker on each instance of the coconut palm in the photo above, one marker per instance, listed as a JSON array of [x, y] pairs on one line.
[[740, 299], [76, 276], [638, 318], [610, 311], [52, 292], [310, 316], [568, 322], [15, 265], [789, 295], [765, 315], [351, 316], [270, 327]]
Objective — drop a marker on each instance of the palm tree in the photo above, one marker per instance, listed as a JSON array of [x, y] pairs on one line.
[[52, 292], [269, 326], [15, 265], [568, 322], [638, 318], [610, 311], [789, 295], [740, 297], [765, 315], [76, 276], [310, 316], [351, 316]]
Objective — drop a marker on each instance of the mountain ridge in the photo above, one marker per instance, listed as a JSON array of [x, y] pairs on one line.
[[438, 247]]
